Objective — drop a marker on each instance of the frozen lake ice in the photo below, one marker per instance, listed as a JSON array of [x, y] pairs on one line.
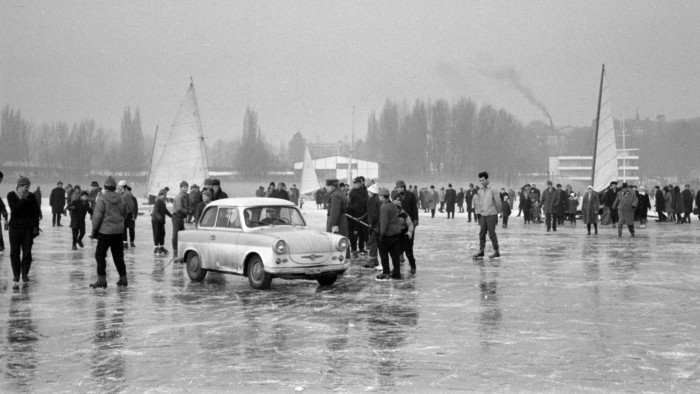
[[562, 312]]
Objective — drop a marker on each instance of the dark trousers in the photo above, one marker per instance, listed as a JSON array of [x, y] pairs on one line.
[[461, 208], [588, 226], [129, 229], [470, 211], [406, 246], [372, 244], [2, 241], [662, 216], [178, 224], [451, 212], [114, 243], [357, 235], [78, 233], [21, 240], [488, 224], [56, 219], [505, 220], [389, 246], [619, 229], [432, 213], [686, 217], [551, 220], [526, 216], [158, 232], [614, 216]]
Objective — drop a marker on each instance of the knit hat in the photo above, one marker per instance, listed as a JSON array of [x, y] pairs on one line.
[[94, 184], [162, 192], [110, 182], [384, 192], [183, 184], [215, 182], [23, 181], [207, 182], [400, 183], [206, 193], [373, 189]]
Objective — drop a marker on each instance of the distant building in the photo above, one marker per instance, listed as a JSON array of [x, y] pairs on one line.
[[577, 170], [337, 167]]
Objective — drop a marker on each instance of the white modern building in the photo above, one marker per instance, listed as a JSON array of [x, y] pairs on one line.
[[577, 170], [337, 167]]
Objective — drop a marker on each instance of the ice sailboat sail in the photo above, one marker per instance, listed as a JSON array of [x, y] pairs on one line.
[[309, 180], [179, 154], [605, 154]]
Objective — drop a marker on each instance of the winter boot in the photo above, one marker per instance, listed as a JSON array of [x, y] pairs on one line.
[[494, 255], [479, 255], [74, 247], [122, 282], [100, 284]]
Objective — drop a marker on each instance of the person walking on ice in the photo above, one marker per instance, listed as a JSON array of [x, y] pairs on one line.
[[489, 208]]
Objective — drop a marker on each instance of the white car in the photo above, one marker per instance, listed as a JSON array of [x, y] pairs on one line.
[[261, 238]]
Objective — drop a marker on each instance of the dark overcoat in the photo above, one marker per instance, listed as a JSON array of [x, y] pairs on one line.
[[590, 207], [337, 208]]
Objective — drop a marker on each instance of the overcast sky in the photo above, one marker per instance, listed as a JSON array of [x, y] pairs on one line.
[[303, 65]]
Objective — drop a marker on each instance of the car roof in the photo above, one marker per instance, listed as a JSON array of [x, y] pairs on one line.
[[251, 201]]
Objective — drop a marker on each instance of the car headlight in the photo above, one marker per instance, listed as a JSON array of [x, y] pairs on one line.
[[342, 244], [280, 247]]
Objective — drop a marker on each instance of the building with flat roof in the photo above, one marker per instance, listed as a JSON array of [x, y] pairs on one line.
[[337, 167], [577, 170]]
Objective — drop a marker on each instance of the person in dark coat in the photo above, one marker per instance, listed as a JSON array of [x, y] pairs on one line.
[[589, 209], [160, 211], [195, 197], [282, 192], [108, 221], [525, 204], [687, 197], [460, 200], [79, 209], [608, 199], [410, 206], [260, 192], [180, 208], [643, 206], [388, 241], [57, 200], [337, 222], [357, 207], [678, 206], [371, 217], [294, 194], [563, 204], [206, 199], [24, 219], [37, 196], [660, 204], [505, 204], [3, 213], [450, 201], [626, 204], [550, 206], [216, 192]]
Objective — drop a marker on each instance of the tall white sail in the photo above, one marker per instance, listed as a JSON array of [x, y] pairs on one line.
[[605, 159], [309, 180], [182, 154]]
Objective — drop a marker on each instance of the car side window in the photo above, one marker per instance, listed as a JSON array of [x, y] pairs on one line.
[[233, 220], [222, 219], [208, 217]]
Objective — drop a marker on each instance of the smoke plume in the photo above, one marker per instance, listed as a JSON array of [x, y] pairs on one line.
[[510, 75]]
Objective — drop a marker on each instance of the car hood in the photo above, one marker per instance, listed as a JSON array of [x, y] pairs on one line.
[[303, 245]]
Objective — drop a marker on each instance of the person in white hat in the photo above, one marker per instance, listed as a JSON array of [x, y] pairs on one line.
[[589, 209]]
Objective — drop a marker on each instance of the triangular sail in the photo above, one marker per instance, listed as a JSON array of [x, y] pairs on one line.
[[605, 159], [309, 180], [183, 155]]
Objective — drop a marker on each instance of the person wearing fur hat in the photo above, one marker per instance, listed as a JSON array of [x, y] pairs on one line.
[[206, 199], [160, 211], [24, 219], [181, 204], [216, 192], [108, 227], [57, 200], [336, 222]]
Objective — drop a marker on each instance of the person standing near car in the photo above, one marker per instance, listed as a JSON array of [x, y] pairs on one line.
[[337, 204], [24, 221], [357, 207], [371, 216], [108, 227], [489, 206], [181, 204], [160, 211]]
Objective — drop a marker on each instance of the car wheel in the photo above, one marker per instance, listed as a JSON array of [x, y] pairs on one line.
[[258, 278], [194, 267], [327, 280]]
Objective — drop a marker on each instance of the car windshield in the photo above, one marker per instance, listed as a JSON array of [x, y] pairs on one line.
[[273, 216]]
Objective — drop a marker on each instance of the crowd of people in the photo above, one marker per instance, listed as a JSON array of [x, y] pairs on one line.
[[380, 223]]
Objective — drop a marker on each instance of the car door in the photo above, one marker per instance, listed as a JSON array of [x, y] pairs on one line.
[[226, 233], [207, 236]]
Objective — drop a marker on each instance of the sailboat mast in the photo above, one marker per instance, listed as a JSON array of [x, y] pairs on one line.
[[352, 146], [597, 125], [201, 130], [150, 164]]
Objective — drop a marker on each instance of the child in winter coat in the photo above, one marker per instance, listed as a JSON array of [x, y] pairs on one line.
[[160, 211], [79, 208], [573, 204], [506, 210], [536, 211]]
